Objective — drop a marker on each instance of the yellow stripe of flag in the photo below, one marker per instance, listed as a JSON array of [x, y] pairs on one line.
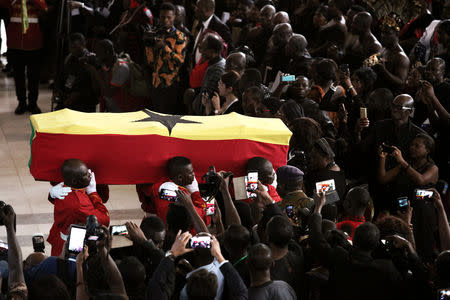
[[224, 127]]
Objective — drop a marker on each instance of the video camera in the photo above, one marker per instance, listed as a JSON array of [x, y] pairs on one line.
[[94, 233], [212, 182], [150, 37]]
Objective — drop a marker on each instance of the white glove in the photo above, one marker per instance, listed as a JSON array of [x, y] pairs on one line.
[[59, 191], [193, 187], [92, 187]]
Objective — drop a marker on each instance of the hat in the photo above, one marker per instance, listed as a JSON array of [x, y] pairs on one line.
[[324, 147], [289, 173]]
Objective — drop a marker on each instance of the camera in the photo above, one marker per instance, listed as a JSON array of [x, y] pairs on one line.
[[387, 149], [38, 242], [212, 182], [89, 58], [152, 36], [94, 233]]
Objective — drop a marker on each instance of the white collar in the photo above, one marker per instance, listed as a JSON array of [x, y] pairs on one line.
[[235, 100], [206, 23]]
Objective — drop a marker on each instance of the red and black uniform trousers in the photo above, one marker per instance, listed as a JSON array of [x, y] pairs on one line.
[[25, 49]]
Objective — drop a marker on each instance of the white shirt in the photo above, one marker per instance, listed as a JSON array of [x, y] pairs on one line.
[[205, 25], [213, 267]]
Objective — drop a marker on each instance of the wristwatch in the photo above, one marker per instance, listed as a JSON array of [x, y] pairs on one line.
[[170, 255], [216, 112]]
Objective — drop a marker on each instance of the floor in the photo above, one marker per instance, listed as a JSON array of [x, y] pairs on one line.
[[29, 197]]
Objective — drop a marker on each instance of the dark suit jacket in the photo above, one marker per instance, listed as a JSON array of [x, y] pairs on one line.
[[218, 26]]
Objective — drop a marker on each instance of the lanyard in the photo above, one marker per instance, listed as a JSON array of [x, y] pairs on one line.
[[240, 259]]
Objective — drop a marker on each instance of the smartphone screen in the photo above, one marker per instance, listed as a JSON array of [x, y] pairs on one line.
[[210, 208], [251, 184], [76, 239], [288, 78], [119, 230], [424, 194], [168, 195], [200, 242], [325, 186], [402, 203], [289, 211], [444, 294], [363, 112]]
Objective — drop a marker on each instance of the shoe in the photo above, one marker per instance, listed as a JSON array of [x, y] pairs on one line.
[[33, 108], [21, 108]]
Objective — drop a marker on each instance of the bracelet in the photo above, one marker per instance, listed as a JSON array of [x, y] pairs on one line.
[[407, 167], [80, 283], [350, 87]]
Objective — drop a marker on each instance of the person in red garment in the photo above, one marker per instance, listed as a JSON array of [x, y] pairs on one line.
[[266, 175], [79, 200], [156, 198]]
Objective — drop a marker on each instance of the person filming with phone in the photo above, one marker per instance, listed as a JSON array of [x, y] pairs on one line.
[[419, 171]]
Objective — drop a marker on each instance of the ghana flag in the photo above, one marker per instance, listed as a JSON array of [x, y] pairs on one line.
[[131, 148]]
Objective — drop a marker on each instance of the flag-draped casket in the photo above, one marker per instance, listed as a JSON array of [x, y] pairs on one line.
[[131, 148]]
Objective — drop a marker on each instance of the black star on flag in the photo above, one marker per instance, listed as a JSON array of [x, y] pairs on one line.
[[167, 120]]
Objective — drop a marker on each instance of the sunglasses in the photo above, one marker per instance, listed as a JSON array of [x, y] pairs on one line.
[[400, 107]]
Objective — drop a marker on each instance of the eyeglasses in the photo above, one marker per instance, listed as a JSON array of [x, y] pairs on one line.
[[400, 107]]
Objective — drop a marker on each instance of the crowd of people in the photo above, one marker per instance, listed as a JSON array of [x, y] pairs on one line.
[[360, 209]]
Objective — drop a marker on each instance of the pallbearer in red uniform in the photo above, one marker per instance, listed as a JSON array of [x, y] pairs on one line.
[[74, 201], [156, 198], [25, 43]]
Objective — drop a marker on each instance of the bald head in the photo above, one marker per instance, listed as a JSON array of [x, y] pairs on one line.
[[435, 71], [34, 259], [266, 15], [236, 62], [282, 33], [361, 22], [259, 258], [280, 17], [405, 100], [75, 173], [269, 10], [296, 45], [207, 4]]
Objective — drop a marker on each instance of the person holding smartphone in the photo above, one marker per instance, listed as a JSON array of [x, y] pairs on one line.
[[419, 171]]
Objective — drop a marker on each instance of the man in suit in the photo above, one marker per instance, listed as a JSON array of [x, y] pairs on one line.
[[207, 20]]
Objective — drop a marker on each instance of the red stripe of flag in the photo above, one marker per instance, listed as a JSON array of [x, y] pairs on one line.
[[132, 159]]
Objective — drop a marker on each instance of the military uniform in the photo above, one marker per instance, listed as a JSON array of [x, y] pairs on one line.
[[25, 42]]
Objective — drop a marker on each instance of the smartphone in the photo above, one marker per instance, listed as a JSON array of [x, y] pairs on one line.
[[329, 187], [424, 194], [402, 203], [344, 68], [210, 208], [169, 195], [76, 238], [387, 149], [288, 78], [251, 184], [325, 186], [118, 230], [363, 112], [444, 294], [38, 242], [199, 242], [289, 211]]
